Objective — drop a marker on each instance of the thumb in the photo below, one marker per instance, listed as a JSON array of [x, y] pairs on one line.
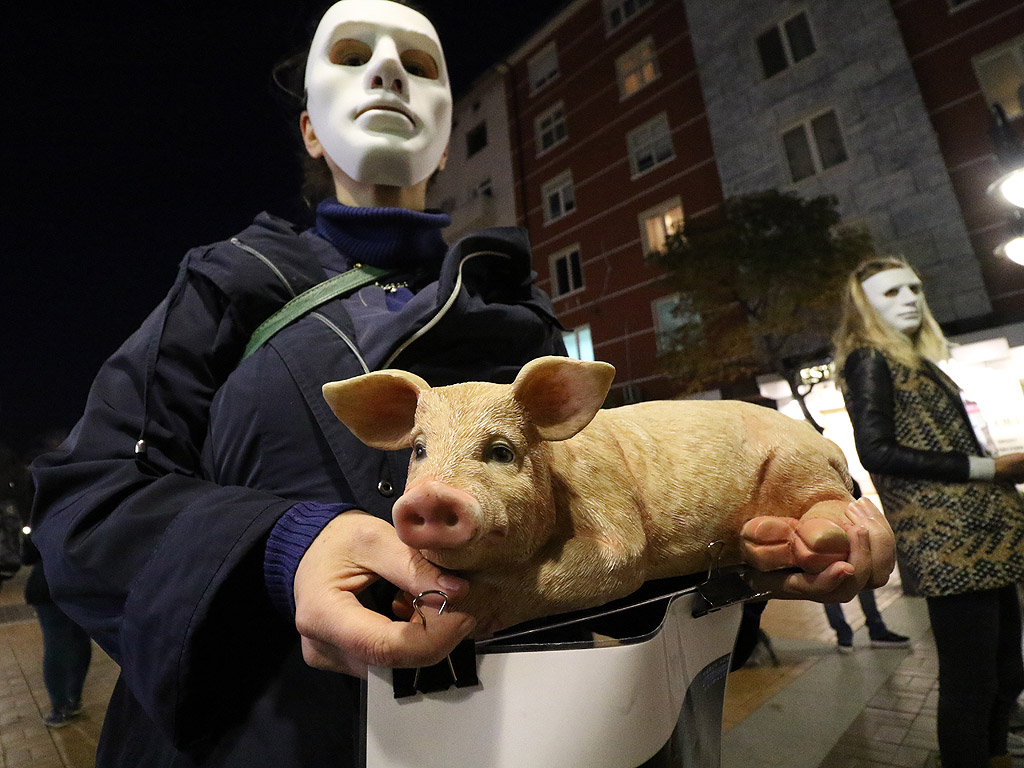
[[411, 572]]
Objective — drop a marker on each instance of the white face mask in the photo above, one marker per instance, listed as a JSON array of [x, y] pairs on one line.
[[897, 296], [377, 92]]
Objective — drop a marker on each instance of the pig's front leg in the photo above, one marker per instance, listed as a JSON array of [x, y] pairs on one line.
[[840, 548], [811, 542], [593, 569]]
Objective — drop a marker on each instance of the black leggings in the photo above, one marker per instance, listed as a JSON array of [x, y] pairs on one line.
[[981, 672]]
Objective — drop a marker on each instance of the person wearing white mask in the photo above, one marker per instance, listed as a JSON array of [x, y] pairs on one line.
[[211, 523], [958, 520]]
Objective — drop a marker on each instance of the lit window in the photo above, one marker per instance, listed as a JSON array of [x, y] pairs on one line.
[[559, 197], [814, 145], [579, 343], [657, 223], [550, 128], [637, 67], [672, 314], [1001, 75], [618, 12], [650, 145], [476, 139], [566, 272], [785, 44], [542, 68]]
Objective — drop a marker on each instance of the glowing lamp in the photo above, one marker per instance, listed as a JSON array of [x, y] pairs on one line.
[[1011, 187], [1014, 250]]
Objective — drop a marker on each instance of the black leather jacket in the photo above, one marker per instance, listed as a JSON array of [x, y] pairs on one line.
[[871, 402]]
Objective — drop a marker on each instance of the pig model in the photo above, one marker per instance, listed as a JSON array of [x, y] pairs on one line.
[[548, 504]]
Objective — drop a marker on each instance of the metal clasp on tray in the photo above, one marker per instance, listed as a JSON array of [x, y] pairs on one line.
[[440, 676], [723, 586]]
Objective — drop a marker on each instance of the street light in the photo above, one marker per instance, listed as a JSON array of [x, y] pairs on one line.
[[1010, 152], [1010, 186], [1013, 249]]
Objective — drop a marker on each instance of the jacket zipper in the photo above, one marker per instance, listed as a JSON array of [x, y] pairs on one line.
[[449, 303]]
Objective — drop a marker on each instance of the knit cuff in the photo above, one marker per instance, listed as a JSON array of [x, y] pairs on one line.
[[981, 468], [288, 542]]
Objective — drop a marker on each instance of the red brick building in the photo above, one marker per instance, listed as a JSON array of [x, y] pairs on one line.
[[619, 118], [610, 148]]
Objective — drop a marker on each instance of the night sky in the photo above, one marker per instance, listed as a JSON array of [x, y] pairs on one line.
[[136, 131]]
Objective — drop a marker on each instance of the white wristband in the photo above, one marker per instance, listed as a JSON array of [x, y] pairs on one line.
[[982, 468]]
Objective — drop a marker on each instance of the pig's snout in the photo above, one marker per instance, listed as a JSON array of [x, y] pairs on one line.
[[434, 515]]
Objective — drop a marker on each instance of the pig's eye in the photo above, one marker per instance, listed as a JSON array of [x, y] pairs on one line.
[[501, 453], [419, 451]]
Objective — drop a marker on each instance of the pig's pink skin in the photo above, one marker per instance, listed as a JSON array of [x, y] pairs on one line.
[[637, 495], [640, 493]]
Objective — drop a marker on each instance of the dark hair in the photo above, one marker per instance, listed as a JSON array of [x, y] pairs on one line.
[[289, 78]]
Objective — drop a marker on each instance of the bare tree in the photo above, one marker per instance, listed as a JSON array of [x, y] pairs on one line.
[[759, 283]]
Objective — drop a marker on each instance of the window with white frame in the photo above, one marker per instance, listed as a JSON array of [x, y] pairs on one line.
[[814, 145], [542, 67], [671, 314], [549, 128], [618, 12], [637, 67], [559, 197], [650, 145], [579, 343], [566, 271], [657, 223], [785, 44], [1000, 73]]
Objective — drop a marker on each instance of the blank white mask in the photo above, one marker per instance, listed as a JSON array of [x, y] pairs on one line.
[[897, 296], [377, 92]]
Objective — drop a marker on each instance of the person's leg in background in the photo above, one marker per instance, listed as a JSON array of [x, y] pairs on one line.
[[749, 635], [881, 636], [1010, 669], [79, 666], [66, 656], [966, 631], [836, 620]]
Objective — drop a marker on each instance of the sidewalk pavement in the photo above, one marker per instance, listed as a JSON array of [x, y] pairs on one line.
[[874, 708], [24, 741]]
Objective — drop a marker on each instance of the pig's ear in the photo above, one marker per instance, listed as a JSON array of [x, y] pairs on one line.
[[379, 407], [561, 395]]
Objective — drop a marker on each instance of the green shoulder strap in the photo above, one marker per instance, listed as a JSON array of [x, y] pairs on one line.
[[306, 301]]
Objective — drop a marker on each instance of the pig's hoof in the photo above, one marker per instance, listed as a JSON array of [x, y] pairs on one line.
[[824, 537]]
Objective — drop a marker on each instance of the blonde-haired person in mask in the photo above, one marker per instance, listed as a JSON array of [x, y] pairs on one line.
[[958, 520]]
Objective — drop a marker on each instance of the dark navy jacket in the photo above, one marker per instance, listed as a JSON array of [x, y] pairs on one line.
[[152, 518]]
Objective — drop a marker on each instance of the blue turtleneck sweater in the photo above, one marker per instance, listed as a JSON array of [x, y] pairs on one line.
[[407, 241], [391, 238]]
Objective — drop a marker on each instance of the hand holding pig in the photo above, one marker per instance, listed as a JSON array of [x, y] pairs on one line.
[[548, 504], [774, 543], [338, 632]]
